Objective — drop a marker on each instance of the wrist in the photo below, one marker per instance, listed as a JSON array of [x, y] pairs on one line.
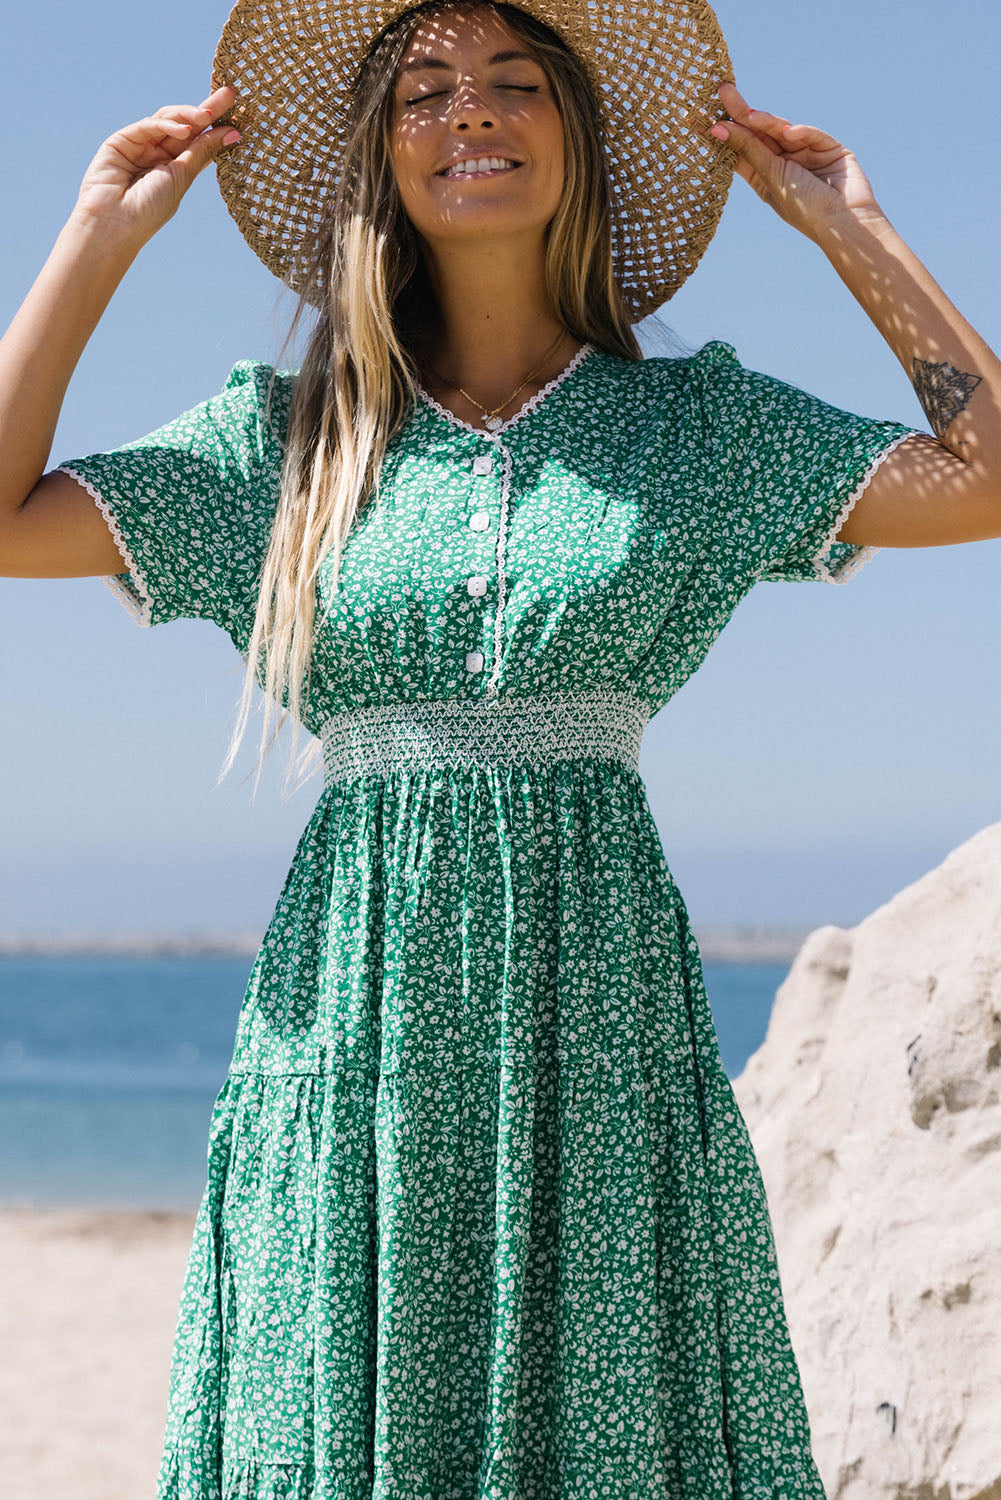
[[852, 224], [98, 240]]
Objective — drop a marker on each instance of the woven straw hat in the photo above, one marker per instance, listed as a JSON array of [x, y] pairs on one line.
[[655, 66]]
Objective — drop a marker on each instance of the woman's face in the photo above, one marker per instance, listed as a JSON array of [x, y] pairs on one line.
[[468, 89]]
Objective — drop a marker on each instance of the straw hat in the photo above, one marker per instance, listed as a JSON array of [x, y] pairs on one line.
[[655, 66]]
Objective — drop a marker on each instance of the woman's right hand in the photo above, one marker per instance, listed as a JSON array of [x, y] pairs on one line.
[[139, 176]]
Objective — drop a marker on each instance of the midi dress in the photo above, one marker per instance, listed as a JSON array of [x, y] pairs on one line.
[[482, 1219]]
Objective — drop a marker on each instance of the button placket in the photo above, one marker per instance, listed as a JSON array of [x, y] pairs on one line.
[[492, 435], [482, 465], [478, 584], [507, 461]]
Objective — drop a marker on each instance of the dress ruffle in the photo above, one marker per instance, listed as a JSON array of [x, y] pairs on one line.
[[496, 1230]]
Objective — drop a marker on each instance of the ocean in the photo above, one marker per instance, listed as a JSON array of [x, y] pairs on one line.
[[109, 1068]]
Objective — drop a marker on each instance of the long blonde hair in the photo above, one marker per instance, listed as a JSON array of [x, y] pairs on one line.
[[357, 382]]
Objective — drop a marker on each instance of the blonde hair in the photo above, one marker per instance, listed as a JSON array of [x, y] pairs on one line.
[[357, 383]]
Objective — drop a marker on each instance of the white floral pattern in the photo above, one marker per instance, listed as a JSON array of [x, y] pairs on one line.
[[482, 1219]]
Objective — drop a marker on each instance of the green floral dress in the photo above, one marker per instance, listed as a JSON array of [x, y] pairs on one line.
[[482, 1218]]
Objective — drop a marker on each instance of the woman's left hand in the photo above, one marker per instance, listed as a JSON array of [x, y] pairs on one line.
[[807, 176]]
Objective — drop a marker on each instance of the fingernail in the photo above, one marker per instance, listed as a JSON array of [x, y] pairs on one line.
[[720, 132], [231, 137]]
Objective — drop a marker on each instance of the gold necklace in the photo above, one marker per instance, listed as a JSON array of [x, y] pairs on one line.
[[491, 419]]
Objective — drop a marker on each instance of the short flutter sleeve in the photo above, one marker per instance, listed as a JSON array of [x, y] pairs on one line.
[[190, 506], [786, 468]]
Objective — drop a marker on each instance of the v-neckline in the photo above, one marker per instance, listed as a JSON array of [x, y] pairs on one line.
[[529, 406]]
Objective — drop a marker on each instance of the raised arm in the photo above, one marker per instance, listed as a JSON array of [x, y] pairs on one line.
[[49, 525], [931, 490]]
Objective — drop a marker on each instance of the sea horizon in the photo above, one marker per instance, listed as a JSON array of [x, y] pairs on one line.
[[111, 1062], [718, 943]]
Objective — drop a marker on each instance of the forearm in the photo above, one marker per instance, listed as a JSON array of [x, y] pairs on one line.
[[956, 375], [43, 345]]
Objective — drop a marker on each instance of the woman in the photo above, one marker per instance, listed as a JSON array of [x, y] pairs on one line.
[[482, 1217]]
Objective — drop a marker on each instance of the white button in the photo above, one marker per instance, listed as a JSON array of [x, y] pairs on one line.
[[474, 661], [477, 585], [483, 463], [480, 520]]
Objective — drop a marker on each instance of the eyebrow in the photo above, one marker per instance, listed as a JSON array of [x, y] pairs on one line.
[[417, 64]]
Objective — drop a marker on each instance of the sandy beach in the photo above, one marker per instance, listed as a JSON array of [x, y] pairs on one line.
[[86, 1325]]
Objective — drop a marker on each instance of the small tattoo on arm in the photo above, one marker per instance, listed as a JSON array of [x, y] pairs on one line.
[[943, 392]]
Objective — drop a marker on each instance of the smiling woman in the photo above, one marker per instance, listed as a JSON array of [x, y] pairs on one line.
[[482, 1219]]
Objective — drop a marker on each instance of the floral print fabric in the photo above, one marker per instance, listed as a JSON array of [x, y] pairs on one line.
[[482, 1219]]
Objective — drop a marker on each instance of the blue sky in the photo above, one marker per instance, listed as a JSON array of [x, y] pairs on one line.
[[837, 742]]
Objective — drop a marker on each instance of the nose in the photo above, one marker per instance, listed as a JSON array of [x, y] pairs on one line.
[[469, 110]]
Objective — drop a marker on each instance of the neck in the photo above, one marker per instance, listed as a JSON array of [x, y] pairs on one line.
[[495, 324]]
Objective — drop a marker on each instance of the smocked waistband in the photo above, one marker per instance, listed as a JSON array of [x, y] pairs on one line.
[[443, 733]]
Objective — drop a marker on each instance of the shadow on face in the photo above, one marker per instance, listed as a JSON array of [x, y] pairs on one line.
[[477, 141]]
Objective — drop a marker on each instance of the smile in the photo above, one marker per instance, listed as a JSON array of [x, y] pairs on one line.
[[483, 166]]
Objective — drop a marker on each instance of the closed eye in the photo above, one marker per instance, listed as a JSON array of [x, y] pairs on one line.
[[525, 88]]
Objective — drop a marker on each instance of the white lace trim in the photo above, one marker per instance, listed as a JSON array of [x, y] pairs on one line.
[[138, 600], [865, 553], [447, 733], [530, 404]]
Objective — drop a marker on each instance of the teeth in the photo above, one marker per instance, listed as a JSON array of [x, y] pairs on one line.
[[480, 164]]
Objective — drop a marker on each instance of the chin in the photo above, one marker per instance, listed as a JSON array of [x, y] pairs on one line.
[[460, 220]]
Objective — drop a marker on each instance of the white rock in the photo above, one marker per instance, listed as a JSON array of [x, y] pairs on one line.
[[874, 1106]]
